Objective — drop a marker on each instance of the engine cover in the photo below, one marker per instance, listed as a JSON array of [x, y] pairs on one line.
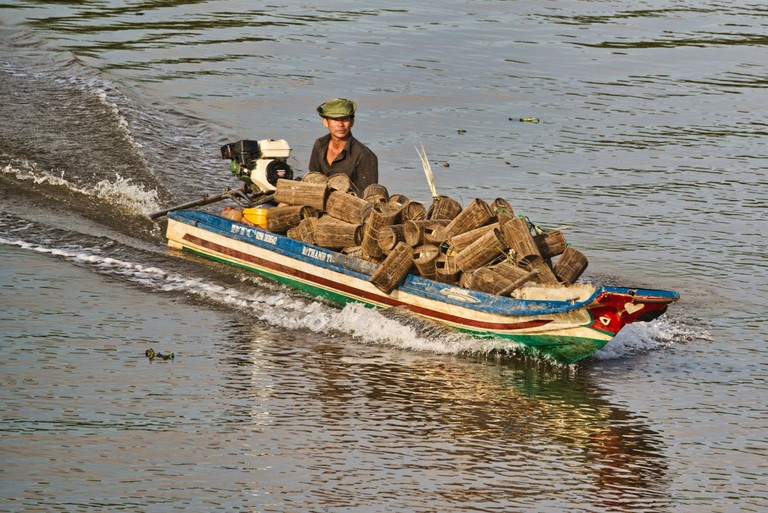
[[262, 162]]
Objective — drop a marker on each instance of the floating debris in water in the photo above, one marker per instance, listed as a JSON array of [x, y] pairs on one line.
[[151, 354], [526, 120]]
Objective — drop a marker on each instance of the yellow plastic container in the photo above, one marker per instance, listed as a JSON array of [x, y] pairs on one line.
[[257, 216]]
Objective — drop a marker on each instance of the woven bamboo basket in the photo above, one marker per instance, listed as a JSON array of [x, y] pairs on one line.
[[443, 207], [315, 177], [518, 283], [510, 270], [399, 199], [294, 233], [309, 194], [281, 219], [434, 231], [333, 233], [570, 265], [413, 232], [474, 216], [550, 244], [483, 251], [424, 258], [446, 270], [544, 273], [383, 214], [353, 251], [339, 182], [462, 240], [517, 235], [393, 269], [423, 231], [414, 211], [306, 229], [502, 210], [376, 193], [389, 236], [347, 207], [485, 279]]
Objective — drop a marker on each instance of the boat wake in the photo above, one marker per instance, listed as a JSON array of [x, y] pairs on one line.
[[646, 337], [263, 301], [118, 192]]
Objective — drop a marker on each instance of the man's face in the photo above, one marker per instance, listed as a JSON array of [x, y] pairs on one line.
[[339, 127]]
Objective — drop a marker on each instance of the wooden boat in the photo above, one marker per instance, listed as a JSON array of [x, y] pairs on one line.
[[565, 324]]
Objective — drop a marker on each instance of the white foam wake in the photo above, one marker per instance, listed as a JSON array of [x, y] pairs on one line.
[[273, 305], [119, 192]]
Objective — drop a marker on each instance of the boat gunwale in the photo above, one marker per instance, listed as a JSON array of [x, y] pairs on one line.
[[412, 284]]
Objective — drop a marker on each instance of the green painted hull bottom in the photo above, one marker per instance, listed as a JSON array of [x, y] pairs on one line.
[[563, 350]]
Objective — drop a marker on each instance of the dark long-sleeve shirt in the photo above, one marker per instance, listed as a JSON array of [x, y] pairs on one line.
[[356, 161]]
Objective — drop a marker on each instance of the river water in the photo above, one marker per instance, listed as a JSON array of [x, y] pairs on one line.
[[650, 150]]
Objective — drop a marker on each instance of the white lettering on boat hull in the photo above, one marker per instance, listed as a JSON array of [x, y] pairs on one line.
[[459, 295], [317, 255], [254, 234]]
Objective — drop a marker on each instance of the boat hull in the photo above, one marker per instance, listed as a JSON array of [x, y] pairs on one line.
[[565, 329]]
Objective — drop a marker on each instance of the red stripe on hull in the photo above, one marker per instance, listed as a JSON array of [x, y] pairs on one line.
[[355, 292]]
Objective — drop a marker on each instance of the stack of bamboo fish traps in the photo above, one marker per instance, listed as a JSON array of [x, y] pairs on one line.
[[482, 246]]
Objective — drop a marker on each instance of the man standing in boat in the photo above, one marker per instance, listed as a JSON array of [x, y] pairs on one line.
[[339, 151]]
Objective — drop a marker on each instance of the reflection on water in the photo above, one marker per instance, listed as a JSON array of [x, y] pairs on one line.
[[325, 424], [476, 432]]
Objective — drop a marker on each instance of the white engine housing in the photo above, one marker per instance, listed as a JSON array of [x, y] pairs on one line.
[[272, 151]]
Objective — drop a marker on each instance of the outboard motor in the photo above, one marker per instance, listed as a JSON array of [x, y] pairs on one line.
[[259, 163]]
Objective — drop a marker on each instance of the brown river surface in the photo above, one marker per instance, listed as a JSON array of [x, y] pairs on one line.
[[649, 148]]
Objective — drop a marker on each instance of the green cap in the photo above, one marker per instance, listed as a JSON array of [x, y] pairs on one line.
[[337, 108]]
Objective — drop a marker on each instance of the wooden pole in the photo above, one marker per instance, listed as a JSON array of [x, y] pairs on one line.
[[205, 200]]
